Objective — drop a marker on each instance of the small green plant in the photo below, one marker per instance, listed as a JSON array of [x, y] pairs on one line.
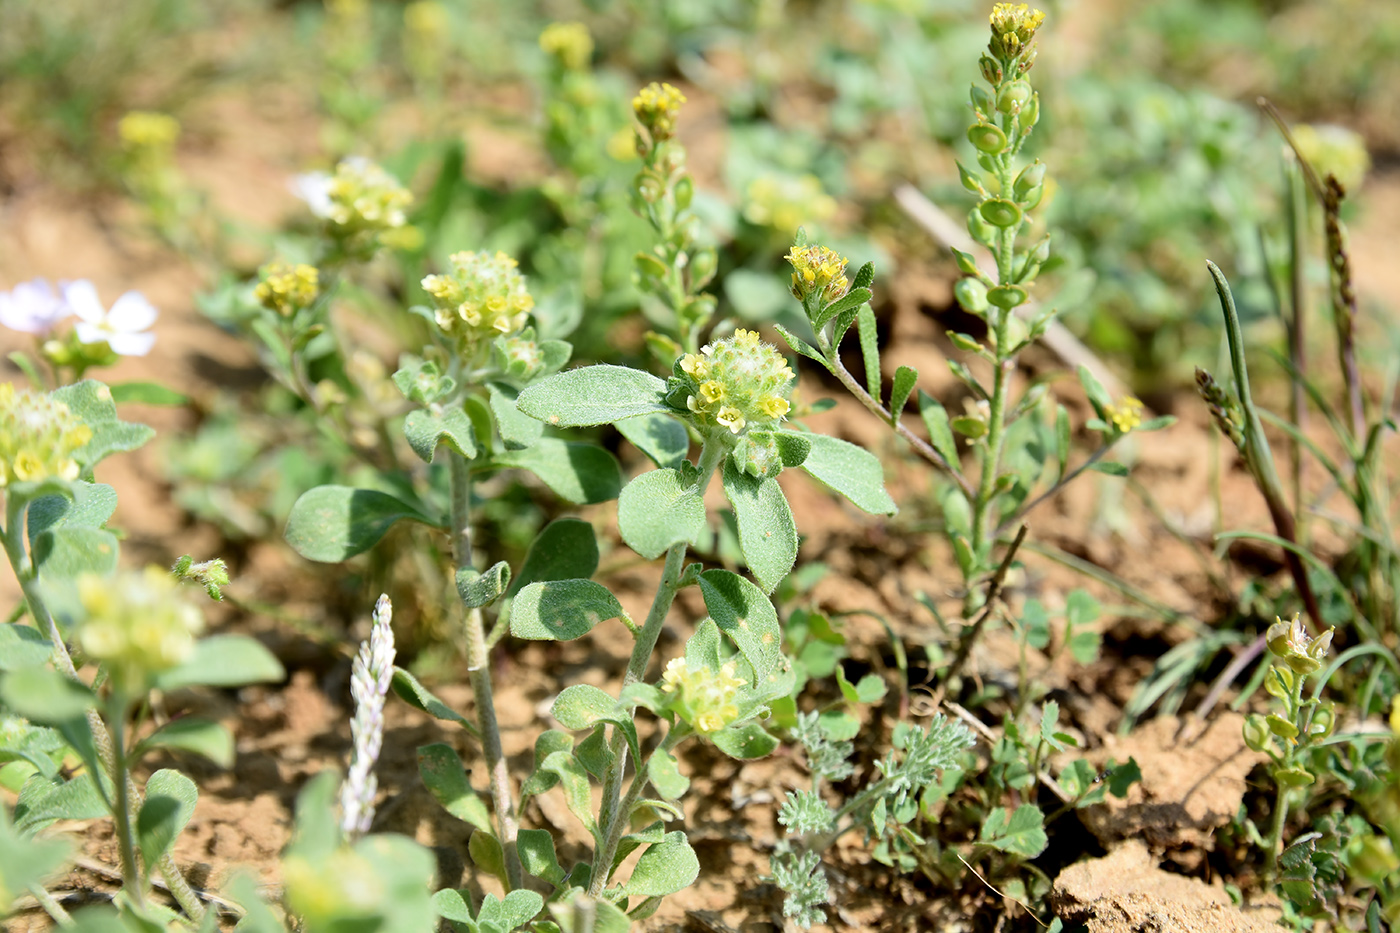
[[71, 744]]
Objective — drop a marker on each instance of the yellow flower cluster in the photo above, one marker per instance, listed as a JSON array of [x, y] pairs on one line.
[[569, 44], [287, 289], [142, 130], [1126, 415], [137, 623], [483, 297], [702, 697], [818, 269], [342, 886], [364, 197], [1014, 26], [785, 202], [736, 382], [38, 437], [657, 106]]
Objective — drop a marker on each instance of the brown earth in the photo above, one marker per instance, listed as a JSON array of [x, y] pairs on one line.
[[289, 732]]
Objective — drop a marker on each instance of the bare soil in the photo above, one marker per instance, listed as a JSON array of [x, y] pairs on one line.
[[289, 732]]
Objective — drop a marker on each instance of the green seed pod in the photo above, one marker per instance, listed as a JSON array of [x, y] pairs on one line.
[[1000, 212], [1256, 732], [1007, 296], [1293, 777], [1014, 96], [970, 181], [1281, 727], [987, 138], [991, 70], [964, 342], [702, 267], [685, 192], [1324, 720], [966, 264], [1030, 113], [1031, 177], [980, 230], [981, 102], [971, 295], [649, 266]]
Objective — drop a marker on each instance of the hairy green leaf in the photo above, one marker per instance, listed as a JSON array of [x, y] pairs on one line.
[[593, 395], [561, 610], [850, 470], [658, 509], [334, 523]]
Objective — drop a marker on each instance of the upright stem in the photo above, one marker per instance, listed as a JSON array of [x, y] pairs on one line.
[[996, 427], [479, 675], [125, 808], [13, 538], [613, 814]]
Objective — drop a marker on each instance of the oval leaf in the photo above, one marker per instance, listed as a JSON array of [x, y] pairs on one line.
[[169, 804], [767, 532], [745, 742], [745, 616], [192, 734], [850, 470], [661, 437], [426, 429], [334, 523], [567, 549], [658, 509], [224, 661], [561, 610], [580, 473], [664, 868], [593, 395], [446, 780]]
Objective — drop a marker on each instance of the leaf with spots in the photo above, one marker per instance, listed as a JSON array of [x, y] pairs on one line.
[[746, 618], [561, 610]]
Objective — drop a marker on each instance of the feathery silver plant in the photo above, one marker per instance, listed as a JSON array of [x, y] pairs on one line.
[[369, 683]]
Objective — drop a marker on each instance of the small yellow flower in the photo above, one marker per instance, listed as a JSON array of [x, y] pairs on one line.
[[657, 106], [1014, 25], [287, 289], [735, 382], [38, 437], [702, 697], [818, 270], [137, 623], [482, 298], [569, 44], [142, 130], [1126, 415]]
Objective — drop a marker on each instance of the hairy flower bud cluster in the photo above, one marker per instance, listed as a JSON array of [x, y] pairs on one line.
[[657, 106], [359, 199], [733, 383], [1126, 415], [371, 673], [569, 44], [704, 698], [137, 623], [38, 437], [482, 298], [1014, 26], [287, 289], [818, 270]]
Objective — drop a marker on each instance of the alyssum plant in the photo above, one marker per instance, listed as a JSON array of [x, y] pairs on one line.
[[484, 395], [70, 742]]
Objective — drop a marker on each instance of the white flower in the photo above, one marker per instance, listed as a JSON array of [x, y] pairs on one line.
[[122, 328], [315, 189], [33, 308]]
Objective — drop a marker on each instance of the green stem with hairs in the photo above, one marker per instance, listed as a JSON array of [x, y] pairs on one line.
[[24, 570], [479, 676], [613, 814]]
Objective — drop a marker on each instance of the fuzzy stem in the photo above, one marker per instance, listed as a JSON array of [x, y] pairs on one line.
[[125, 811], [613, 811], [617, 825], [13, 539], [479, 675]]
